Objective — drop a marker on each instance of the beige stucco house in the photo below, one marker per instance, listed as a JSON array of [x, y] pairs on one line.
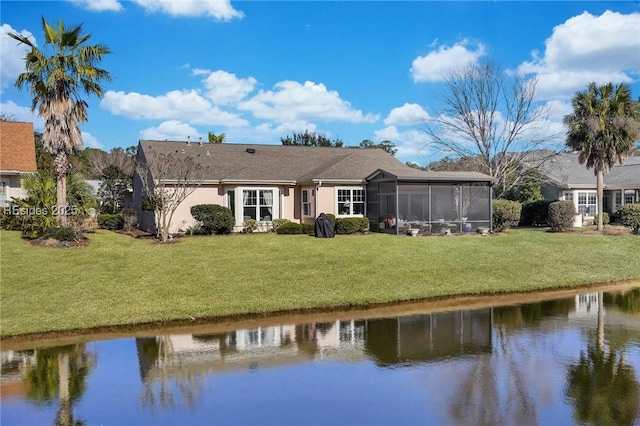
[[264, 182], [564, 178], [17, 157]]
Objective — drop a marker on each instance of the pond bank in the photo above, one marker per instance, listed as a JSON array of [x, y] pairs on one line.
[[227, 324]]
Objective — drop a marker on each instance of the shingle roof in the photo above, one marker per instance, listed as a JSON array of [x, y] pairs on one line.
[[565, 171], [299, 164], [409, 173], [17, 147]]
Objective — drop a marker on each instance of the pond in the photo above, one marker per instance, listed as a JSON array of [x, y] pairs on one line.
[[572, 358]]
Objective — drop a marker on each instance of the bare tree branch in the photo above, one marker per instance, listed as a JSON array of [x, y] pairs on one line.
[[167, 181], [490, 116]]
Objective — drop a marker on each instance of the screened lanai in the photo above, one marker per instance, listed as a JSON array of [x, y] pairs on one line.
[[428, 202]]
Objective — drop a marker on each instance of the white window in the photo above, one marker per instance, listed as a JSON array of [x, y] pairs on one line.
[[629, 199], [257, 204], [587, 203], [4, 186], [307, 202], [231, 201], [568, 196], [350, 202]]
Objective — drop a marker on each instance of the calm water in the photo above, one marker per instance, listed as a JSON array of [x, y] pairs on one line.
[[545, 363]]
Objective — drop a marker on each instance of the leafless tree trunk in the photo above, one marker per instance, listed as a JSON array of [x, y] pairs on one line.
[[489, 115], [167, 181]]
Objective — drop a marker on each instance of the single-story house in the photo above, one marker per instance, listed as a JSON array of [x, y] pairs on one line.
[[17, 157], [566, 179], [264, 182]]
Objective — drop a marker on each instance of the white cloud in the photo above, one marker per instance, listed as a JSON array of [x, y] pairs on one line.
[[90, 141], [20, 113], [186, 105], [173, 130], [587, 48], [99, 5], [291, 101], [285, 128], [406, 115], [410, 143], [220, 10], [438, 64], [225, 88], [13, 54]]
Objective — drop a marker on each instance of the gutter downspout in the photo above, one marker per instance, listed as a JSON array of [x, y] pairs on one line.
[[315, 198]]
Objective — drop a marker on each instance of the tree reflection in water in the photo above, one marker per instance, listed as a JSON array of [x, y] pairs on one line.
[[601, 387], [60, 372]]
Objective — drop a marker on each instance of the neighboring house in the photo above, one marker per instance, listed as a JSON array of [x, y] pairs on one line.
[[264, 182], [566, 179], [17, 157]]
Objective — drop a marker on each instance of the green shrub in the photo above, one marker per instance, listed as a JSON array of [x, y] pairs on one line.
[[250, 225], [351, 225], [130, 219], [290, 228], [10, 221], [506, 214], [561, 215], [605, 218], [629, 215], [535, 213], [277, 223], [215, 219], [110, 221], [62, 233], [308, 228]]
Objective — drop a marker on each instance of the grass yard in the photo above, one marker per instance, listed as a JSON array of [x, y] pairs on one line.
[[118, 280]]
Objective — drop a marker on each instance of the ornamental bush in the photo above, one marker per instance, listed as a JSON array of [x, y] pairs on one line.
[[535, 213], [111, 222], [629, 215], [351, 225], [249, 225], [605, 218], [213, 218], [277, 223], [290, 228], [506, 214], [561, 215]]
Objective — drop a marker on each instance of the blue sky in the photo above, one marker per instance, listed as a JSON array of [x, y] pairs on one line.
[[258, 71]]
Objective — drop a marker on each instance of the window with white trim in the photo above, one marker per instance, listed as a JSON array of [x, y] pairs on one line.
[[257, 204], [231, 201], [350, 202], [4, 187], [587, 204], [307, 202]]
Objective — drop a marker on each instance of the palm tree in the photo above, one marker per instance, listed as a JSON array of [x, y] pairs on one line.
[[603, 127], [55, 77]]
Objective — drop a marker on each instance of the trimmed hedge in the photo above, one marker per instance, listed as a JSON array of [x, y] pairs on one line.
[[535, 213], [308, 228], [506, 214], [290, 228], [629, 215], [111, 222], [215, 219], [277, 223], [351, 225], [561, 215]]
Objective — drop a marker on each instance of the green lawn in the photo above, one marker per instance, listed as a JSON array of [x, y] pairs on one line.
[[119, 280]]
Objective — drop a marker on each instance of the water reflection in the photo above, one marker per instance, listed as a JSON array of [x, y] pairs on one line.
[[572, 359]]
